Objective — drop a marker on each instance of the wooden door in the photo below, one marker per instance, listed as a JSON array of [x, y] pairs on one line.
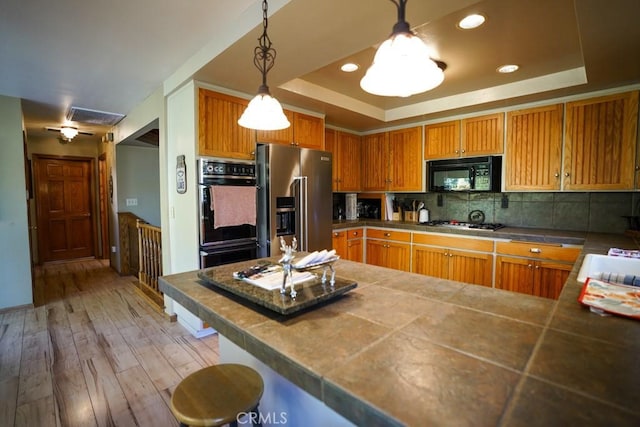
[[405, 159], [600, 143], [470, 267], [442, 140], [308, 131], [339, 242], [398, 256], [549, 278], [350, 161], [375, 159], [64, 208], [281, 136], [534, 146], [219, 133], [354, 250], [514, 274], [430, 261], [482, 136], [377, 252]]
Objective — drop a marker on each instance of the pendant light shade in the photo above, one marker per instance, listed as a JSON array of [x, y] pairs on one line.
[[69, 132], [264, 112], [402, 66]]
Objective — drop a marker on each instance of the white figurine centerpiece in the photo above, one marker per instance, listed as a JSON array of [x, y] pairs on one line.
[[286, 260]]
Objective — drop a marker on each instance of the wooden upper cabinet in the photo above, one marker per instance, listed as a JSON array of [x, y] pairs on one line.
[[345, 148], [600, 143], [308, 131], [350, 159], [482, 136], [375, 160], [331, 145], [392, 160], [280, 136], [405, 165], [219, 134], [305, 131], [534, 146], [475, 136], [442, 140]]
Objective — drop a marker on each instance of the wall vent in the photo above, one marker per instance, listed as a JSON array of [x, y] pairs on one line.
[[84, 115]]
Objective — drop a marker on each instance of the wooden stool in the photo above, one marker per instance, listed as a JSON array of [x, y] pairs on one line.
[[217, 395]]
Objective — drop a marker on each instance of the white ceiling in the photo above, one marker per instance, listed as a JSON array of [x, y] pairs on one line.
[[111, 55]]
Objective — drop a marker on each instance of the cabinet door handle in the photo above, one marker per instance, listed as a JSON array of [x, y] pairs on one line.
[[557, 175], [529, 266], [355, 233], [535, 250], [537, 267], [463, 151], [387, 234], [335, 234], [566, 174]]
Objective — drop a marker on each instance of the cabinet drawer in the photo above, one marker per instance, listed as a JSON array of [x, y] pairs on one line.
[[539, 250], [355, 233], [399, 236], [453, 242]]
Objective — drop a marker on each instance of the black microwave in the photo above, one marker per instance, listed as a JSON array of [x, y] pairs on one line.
[[465, 174]]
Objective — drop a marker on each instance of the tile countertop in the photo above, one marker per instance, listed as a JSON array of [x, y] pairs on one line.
[[408, 349], [512, 233]]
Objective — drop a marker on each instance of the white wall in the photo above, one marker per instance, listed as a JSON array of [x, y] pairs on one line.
[[183, 212], [15, 264], [138, 171], [149, 110]]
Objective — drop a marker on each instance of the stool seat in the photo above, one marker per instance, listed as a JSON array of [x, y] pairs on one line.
[[216, 395]]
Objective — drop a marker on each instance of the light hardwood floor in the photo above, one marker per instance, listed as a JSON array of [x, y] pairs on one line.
[[93, 353]]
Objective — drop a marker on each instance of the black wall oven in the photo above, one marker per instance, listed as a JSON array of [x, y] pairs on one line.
[[227, 209]]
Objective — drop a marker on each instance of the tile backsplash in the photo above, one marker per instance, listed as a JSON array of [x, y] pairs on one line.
[[597, 212]]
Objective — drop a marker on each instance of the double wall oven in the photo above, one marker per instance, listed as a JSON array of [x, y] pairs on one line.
[[227, 209]]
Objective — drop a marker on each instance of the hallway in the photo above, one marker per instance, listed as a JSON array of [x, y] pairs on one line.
[[92, 353]]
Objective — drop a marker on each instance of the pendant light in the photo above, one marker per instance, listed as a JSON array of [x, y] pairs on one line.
[[401, 66], [264, 112], [69, 132]]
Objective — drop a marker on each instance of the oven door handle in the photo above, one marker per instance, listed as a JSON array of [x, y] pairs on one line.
[[205, 200]]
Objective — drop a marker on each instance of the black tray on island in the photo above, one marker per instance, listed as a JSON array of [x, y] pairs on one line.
[[309, 293]]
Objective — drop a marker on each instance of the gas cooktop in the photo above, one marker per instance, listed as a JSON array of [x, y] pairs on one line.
[[466, 225]]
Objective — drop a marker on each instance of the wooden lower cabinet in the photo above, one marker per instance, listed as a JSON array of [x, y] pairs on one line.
[[532, 277], [389, 248], [453, 264], [354, 244], [348, 244], [339, 242], [534, 268]]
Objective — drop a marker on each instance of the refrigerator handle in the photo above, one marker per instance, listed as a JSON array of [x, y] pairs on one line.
[[303, 234]]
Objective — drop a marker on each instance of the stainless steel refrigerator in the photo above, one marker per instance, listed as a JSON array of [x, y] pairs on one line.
[[294, 198]]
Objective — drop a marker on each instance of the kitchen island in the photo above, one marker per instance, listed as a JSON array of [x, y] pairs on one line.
[[407, 349]]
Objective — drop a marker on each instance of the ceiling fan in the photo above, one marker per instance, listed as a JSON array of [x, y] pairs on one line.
[[68, 132]]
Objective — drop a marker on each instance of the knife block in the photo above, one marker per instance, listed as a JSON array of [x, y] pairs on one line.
[[411, 216]]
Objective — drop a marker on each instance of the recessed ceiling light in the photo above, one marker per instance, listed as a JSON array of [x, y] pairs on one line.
[[349, 67], [471, 21], [509, 68]]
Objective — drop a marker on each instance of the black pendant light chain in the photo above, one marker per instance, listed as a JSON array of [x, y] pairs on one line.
[[264, 55]]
